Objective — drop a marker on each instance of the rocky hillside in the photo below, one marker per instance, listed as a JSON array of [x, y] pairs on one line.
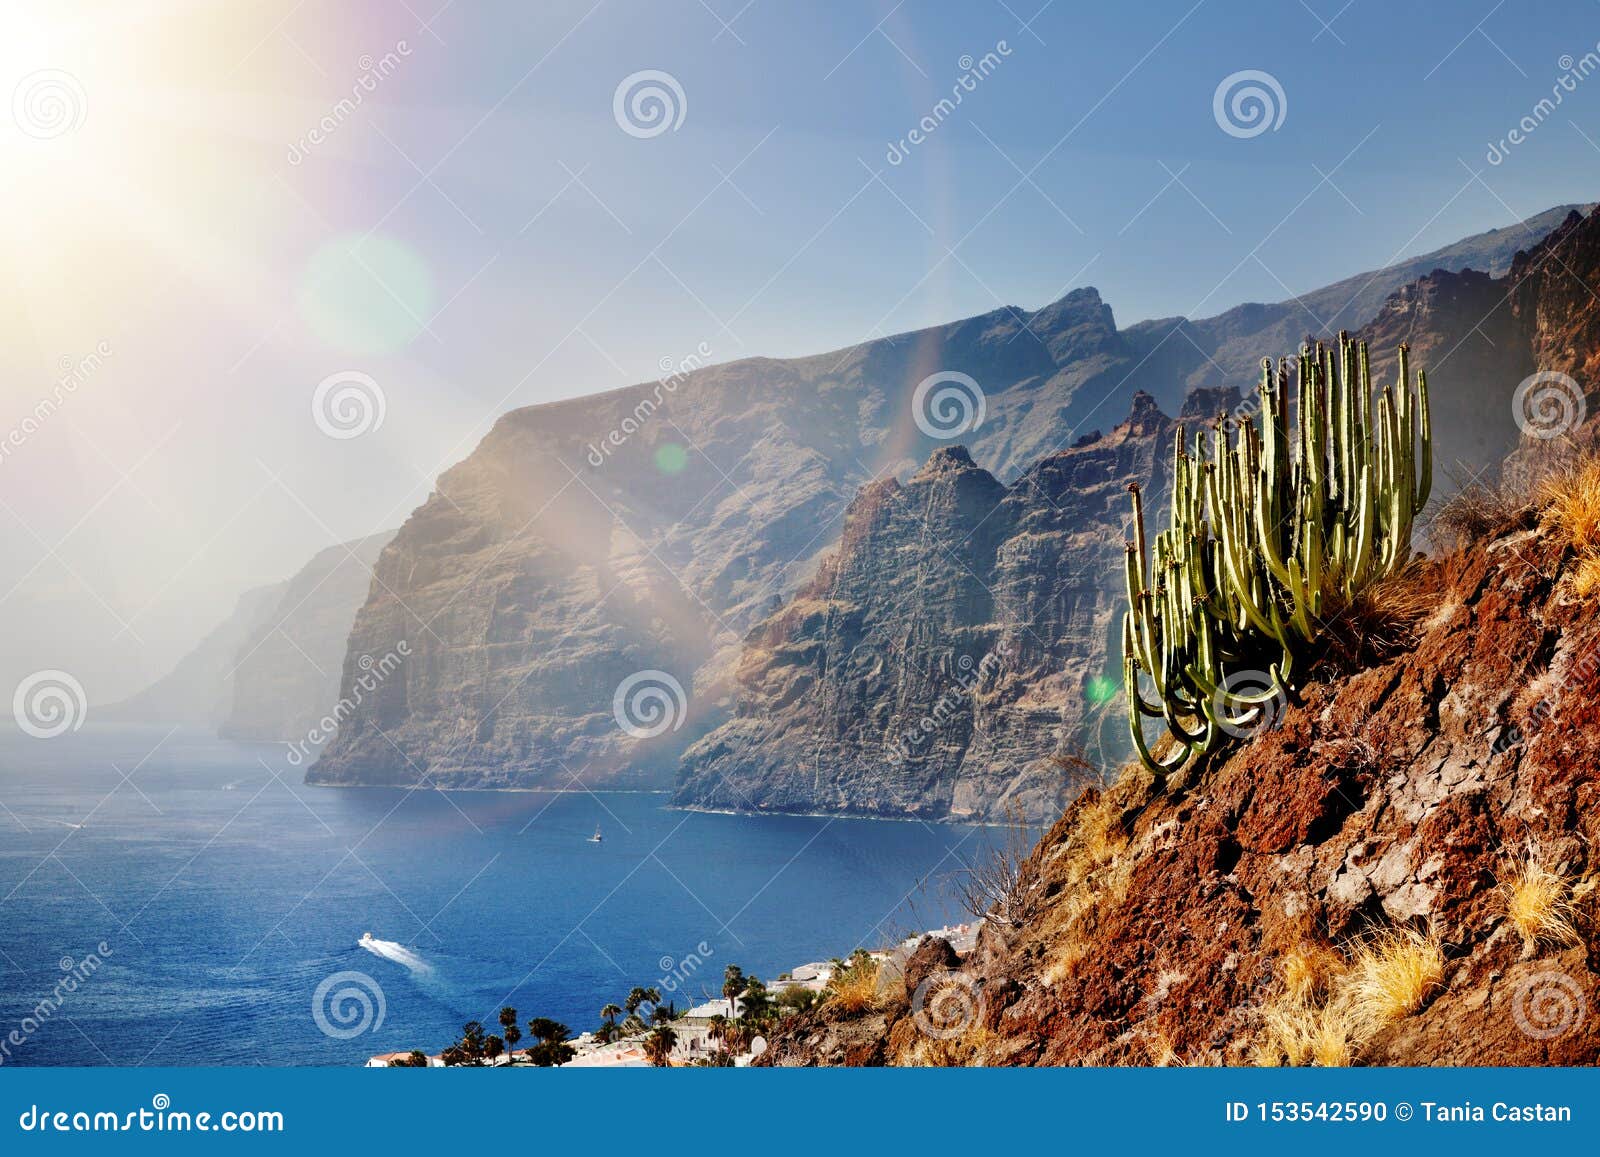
[[954, 642], [648, 530], [1274, 906], [290, 666]]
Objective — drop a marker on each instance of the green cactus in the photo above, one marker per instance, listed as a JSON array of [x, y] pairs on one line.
[[1268, 528]]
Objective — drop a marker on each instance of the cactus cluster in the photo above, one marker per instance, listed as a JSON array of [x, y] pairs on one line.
[[1273, 525]]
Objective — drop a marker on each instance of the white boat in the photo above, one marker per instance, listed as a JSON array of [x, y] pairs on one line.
[[597, 837], [366, 938]]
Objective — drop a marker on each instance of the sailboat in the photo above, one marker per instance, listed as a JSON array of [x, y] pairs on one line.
[[597, 837]]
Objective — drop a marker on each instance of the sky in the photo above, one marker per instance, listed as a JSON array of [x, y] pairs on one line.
[[217, 216]]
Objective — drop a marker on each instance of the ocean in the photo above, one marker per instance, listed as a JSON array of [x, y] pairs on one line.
[[176, 899]]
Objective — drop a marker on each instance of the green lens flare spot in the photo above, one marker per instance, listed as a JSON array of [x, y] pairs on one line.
[[1102, 690], [368, 295], [671, 458]]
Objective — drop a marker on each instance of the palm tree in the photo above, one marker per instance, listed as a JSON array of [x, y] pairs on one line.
[[718, 1030], [658, 1046], [733, 984], [472, 1044], [493, 1047], [635, 999], [512, 1034], [552, 1048], [664, 1014], [610, 1013]]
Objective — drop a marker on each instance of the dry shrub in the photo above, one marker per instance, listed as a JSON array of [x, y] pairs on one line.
[[1379, 622], [1478, 512], [964, 1049], [854, 988], [1539, 903]]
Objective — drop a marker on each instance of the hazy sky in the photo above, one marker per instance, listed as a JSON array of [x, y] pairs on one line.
[[209, 209]]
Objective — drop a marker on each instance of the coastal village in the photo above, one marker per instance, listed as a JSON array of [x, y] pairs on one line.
[[717, 1032]]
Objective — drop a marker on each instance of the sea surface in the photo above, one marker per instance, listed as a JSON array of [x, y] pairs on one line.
[[230, 898]]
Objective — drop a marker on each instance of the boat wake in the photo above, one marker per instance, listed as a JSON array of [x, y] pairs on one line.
[[398, 953]]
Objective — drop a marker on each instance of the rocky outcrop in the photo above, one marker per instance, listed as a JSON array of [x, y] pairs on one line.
[[1164, 923], [645, 533], [956, 640], [288, 669]]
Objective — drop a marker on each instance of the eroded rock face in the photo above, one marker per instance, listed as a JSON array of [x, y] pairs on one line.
[[961, 635], [1400, 796]]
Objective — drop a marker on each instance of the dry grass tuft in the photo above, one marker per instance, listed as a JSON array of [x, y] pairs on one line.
[[1310, 970], [1330, 1007], [1380, 622], [1539, 904], [854, 988], [1299, 1033], [1571, 501], [1392, 975], [1587, 581]]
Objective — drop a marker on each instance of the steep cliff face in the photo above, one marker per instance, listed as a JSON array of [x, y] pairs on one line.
[[287, 670], [1192, 922], [650, 529], [954, 642]]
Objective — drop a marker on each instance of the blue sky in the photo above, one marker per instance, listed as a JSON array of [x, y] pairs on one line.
[[533, 250]]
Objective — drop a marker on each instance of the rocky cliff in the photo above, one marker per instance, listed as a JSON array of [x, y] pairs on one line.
[[288, 668], [1276, 905], [956, 640], [646, 531]]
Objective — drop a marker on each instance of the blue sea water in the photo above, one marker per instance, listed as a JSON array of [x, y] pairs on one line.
[[227, 892]]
